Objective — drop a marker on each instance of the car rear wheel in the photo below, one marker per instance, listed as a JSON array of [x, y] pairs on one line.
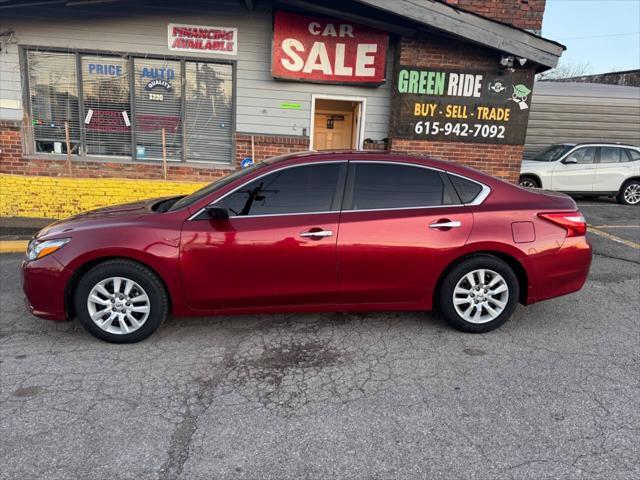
[[528, 182], [479, 294], [629, 193], [121, 301]]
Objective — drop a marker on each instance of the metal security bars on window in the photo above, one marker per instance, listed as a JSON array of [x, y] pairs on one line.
[[130, 107], [107, 111], [53, 100], [158, 105]]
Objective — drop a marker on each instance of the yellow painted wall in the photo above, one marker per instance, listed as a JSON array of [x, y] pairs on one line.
[[53, 197]]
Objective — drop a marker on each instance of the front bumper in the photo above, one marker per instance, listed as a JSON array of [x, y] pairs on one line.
[[44, 282]]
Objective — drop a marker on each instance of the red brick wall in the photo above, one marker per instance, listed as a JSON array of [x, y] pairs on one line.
[[499, 160], [12, 161], [525, 14], [268, 146], [10, 144], [445, 53]]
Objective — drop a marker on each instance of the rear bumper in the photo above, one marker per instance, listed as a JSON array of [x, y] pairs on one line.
[[44, 282], [560, 273]]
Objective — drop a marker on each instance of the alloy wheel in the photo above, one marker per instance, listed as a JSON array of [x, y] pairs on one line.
[[118, 305], [480, 296], [527, 183], [632, 193]]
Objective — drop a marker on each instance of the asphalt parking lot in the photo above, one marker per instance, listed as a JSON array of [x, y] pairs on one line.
[[554, 393]]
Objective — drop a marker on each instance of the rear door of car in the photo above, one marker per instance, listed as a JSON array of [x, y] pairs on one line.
[[615, 165], [576, 171], [399, 224]]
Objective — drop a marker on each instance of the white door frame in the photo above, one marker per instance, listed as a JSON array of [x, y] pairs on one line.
[[344, 98]]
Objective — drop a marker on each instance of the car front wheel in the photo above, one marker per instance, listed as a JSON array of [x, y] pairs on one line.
[[630, 193], [528, 182], [479, 294], [121, 301]]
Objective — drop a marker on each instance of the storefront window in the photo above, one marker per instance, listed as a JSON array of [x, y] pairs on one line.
[[209, 107], [53, 92], [119, 106], [107, 112], [158, 105]]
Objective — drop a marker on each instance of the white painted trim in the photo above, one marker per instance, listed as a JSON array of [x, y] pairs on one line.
[[343, 98]]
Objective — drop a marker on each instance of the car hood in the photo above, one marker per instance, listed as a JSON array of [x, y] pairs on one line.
[[102, 217], [533, 164]]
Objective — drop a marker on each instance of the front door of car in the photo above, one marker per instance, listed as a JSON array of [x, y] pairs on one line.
[[399, 226], [277, 248], [575, 172]]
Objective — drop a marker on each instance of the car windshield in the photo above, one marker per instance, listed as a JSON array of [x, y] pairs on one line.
[[554, 152], [212, 187]]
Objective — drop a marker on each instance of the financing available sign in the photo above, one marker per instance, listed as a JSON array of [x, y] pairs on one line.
[[326, 50], [458, 105], [203, 39]]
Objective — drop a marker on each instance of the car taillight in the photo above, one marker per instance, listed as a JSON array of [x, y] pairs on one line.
[[573, 222]]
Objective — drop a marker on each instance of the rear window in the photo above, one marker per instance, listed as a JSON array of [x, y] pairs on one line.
[[383, 186], [466, 189], [633, 155], [610, 155]]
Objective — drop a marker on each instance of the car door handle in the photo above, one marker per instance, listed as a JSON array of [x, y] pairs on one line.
[[447, 224], [317, 233]]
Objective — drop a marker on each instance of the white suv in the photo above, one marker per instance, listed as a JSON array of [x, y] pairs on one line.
[[591, 169]]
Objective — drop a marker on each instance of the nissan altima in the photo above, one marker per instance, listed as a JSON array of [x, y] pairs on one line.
[[334, 231]]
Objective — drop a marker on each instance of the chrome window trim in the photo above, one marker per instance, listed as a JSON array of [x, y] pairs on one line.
[[285, 214], [286, 167], [481, 197], [408, 164], [391, 209]]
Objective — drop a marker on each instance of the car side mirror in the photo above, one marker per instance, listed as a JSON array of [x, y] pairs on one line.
[[216, 212], [570, 160]]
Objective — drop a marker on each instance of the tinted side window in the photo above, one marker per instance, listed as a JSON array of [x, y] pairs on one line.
[[308, 188], [632, 155], [609, 155], [380, 185], [584, 155], [467, 190]]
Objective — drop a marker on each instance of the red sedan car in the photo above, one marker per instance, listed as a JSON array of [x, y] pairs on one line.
[[335, 231]]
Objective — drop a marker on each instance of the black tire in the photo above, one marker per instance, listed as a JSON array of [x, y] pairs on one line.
[[528, 181], [621, 194], [470, 264], [144, 277]]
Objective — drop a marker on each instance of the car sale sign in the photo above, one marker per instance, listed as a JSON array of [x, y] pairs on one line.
[[324, 50]]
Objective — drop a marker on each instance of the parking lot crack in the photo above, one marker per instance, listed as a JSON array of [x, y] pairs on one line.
[[196, 405], [613, 257]]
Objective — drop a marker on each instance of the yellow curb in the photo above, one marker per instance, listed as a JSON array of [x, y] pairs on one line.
[[13, 246]]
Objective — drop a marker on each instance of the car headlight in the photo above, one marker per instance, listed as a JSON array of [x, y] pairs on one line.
[[38, 249]]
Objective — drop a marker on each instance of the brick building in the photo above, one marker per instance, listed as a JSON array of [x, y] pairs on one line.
[[104, 102]]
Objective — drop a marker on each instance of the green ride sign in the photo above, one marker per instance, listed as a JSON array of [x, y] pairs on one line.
[[464, 106]]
